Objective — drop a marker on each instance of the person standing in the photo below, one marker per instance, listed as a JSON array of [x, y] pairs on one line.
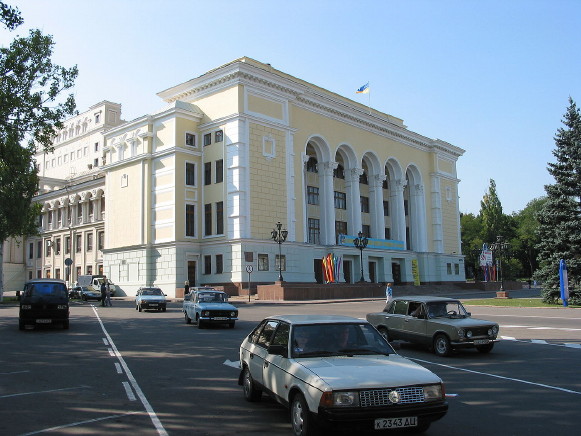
[[108, 294], [186, 288], [388, 293], [103, 293]]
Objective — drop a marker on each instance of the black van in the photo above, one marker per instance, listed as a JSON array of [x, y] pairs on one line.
[[44, 301]]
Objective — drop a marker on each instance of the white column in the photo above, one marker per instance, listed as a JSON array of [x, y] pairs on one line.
[[418, 222], [437, 229], [327, 205], [376, 207], [398, 216], [353, 200]]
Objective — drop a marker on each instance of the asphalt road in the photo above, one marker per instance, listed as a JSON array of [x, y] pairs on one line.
[[118, 371]]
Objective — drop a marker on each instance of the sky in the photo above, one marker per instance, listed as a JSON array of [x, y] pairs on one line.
[[491, 77]]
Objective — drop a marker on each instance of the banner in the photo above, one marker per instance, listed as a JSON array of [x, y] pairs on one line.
[[416, 272], [564, 282]]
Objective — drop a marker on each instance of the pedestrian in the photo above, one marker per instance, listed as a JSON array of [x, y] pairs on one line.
[[186, 288], [108, 294], [103, 293], [388, 293]]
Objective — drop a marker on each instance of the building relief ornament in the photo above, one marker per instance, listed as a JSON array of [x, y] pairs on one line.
[[329, 167]]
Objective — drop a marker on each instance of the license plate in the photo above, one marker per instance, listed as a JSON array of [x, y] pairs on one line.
[[481, 341], [43, 321], [153, 304], [408, 421], [220, 318]]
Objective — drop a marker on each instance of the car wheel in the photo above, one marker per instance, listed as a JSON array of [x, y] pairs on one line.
[[442, 345], [200, 323], [21, 325], [231, 325], [301, 420], [163, 309], [250, 392], [384, 332], [66, 324], [187, 318], [485, 348]]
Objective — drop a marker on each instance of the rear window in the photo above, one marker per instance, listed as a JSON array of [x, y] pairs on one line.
[[45, 290]]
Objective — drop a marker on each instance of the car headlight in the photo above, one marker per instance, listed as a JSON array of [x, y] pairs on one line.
[[469, 334], [233, 314], [205, 313], [433, 392], [493, 331], [340, 399], [26, 307], [460, 333]]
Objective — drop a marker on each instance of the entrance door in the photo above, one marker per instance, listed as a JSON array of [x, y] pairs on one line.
[[396, 271], [318, 270], [372, 275], [347, 271], [192, 272]]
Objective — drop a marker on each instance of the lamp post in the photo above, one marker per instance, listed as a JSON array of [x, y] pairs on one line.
[[279, 236], [500, 246], [361, 242]]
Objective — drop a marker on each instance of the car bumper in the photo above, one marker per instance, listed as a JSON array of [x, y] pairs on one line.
[[367, 416], [472, 343], [152, 305], [217, 320]]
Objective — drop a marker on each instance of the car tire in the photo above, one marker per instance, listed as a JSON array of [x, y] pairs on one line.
[[384, 332], [163, 309], [66, 324], [251, 394], [485, 348], [302, 422], [187, 318], [200, 324], [442, 345], [21, 325]]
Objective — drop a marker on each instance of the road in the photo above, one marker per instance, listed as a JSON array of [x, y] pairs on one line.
[[118, 371]]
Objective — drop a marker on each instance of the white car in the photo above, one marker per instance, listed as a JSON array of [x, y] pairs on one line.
[[337, 370]]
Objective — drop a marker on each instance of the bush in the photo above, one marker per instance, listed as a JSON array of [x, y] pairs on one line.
[[553, 296]]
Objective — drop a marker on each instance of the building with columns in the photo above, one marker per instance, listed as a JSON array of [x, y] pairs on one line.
[[194, 190]]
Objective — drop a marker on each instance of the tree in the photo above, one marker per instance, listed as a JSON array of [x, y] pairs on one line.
[[30, 115], [560, 217], [471, 234], [527, 236], [493, 220]]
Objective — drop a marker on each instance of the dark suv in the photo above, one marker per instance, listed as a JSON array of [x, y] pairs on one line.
[[44, 301]]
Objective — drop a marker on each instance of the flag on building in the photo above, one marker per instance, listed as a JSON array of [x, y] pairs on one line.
[[364, 89]]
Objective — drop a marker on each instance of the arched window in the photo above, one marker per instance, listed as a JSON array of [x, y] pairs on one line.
[[339, 172], [312, 165]]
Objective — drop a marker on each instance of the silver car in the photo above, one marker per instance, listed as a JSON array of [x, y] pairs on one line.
[[443, 324]]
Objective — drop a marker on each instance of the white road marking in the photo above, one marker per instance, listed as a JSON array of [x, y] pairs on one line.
[[111, 353], [13, 372], [105, 341], [542, 385], [529, 327], [236, 364], [74, 424], [118, 368], [539, 341], [129, 392], [43, 392], [571, 345], [152, 415]]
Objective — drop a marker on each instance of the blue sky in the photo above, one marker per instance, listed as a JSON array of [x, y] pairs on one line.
[[492, 77]]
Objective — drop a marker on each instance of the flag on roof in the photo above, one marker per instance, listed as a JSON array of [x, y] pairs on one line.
[[364, 89]]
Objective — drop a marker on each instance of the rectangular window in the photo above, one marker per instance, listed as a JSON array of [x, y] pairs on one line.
[[207, 173], [456, 269], [190, 139], [207, 139], [89, 242], [312, 195], [89, 269], [190, 220], [48, 247], [101, 240], [218, 136], [387, 233], [220, 218], [219, 171], [449, 268], [58, 246], [262, 262], [207, 264], [385, 208], [96, 146], [96, 162], [67, 244], [208, 219], [405, 207], [366, 230], [340, 229], [280, 263], [57, 273], [364, 204], [79, 242], [39, 249], [31, 250], [340, 200], [190, 174], [314, 231], [219, 264]]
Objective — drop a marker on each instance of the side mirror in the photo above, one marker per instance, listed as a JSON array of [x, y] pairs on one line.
[[279, 350]]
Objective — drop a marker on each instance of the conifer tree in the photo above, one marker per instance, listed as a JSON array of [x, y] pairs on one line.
[[560, 217]]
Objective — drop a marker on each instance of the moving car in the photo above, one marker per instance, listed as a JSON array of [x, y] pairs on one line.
[[44, 301], [206, 306], [335, 370], [150, 298], [443, 324]]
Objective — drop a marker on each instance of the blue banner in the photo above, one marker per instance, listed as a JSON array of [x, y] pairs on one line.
[[378, 244], [564, 282]]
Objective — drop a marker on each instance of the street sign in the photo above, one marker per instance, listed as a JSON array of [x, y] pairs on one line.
[[249, 269], [68, 261]]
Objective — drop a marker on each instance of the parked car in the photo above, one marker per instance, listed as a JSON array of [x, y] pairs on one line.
[[335, 370], [44, 301], [443, 324], [75, 292], [150, 298], [90, 294], [206, 306]]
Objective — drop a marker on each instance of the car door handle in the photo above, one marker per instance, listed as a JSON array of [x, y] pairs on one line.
[[251, 356]]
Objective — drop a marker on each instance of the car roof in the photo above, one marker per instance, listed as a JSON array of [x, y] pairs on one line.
[[206, 290], [425, 298], [46, 281], [317, 319]]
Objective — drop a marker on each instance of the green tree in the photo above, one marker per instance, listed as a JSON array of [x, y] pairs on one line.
[[29, 114], [493, 219], [560, 217], [527, 237], [471, 234]]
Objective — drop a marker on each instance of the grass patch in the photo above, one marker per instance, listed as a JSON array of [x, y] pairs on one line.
[[512, 302]]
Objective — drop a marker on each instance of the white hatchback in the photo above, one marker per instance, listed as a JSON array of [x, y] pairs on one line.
[[337, 370]]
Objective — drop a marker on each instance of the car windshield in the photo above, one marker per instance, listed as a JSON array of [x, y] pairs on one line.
[[443, 309], [46, 290], [211, 297], [320, 340], [151, 292]]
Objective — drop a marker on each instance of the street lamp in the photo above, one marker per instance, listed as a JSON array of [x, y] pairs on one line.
[[361, 242], [279, 236], [500, 246]]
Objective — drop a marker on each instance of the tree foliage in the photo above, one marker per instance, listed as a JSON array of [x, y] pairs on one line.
[[30, 116], [559, 235]]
